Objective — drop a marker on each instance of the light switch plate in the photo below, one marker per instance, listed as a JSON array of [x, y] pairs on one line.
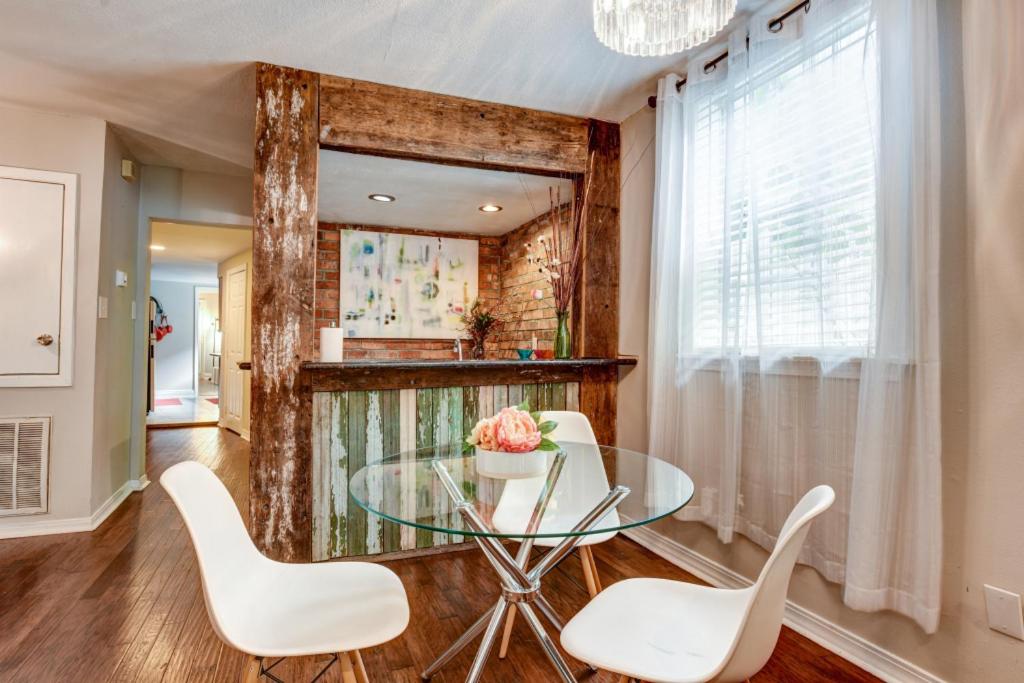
[[103, 309], [133, 310], [120, 278], [1004, 611]]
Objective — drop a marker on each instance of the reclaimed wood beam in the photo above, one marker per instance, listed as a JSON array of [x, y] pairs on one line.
[[371, 118], [596, 306], [284, 257]]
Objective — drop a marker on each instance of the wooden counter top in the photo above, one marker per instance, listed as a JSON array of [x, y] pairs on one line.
[[404, 374]]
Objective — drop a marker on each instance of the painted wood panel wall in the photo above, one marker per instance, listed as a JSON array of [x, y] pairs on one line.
[[353, 428]]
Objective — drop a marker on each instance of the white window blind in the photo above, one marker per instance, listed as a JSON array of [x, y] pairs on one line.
[[782, 196]]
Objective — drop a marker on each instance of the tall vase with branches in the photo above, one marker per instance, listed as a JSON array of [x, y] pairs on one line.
[[560, 256]]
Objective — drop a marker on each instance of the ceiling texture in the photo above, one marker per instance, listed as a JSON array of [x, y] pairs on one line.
[[429, 196], [176, 78]]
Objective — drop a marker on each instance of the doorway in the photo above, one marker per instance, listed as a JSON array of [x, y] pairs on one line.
[[198, 272]]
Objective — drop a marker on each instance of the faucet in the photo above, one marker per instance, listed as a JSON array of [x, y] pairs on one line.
[[458, 347]]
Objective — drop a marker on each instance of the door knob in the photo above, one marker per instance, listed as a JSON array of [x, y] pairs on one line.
[[44, 340]]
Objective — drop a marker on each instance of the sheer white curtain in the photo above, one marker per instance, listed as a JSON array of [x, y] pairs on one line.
[[793, 335]]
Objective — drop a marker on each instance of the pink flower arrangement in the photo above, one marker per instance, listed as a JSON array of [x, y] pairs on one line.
[[513, 430]]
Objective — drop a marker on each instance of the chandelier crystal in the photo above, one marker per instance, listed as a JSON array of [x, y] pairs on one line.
[[653, 28]]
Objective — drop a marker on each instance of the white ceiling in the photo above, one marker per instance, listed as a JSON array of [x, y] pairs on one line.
[[429, 196], [179, 74], [191, 252]]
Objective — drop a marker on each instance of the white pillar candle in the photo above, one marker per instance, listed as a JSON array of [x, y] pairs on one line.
[[332, 340], [533, 344]]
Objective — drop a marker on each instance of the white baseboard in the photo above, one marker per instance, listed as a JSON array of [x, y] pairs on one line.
[[41, 525], [848, 645]]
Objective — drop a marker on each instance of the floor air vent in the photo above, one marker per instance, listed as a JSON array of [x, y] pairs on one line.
[[24, 457]]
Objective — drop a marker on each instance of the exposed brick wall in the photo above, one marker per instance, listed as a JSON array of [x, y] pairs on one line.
[[519, 279], [327, 293]]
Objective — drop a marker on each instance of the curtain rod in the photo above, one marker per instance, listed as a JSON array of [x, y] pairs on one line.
[[775, 25]]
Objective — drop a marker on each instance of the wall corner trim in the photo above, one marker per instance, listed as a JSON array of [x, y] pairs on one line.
[[42, 525], [848, 645]]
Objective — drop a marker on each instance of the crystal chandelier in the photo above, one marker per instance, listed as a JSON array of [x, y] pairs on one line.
[[652, 28]]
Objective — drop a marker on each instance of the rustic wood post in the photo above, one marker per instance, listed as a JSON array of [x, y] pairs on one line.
[[596, 309], [284, 261]]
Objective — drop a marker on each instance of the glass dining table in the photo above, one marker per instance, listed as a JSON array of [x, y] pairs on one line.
[[581, 490]]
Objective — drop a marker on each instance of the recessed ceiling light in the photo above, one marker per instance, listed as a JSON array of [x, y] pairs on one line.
[[490, 208], [382, 197], [157, 247]]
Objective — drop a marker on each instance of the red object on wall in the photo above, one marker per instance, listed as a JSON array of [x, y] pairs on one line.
[[162, 328]]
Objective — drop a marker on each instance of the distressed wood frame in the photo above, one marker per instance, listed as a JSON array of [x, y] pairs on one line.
[[298, 113]]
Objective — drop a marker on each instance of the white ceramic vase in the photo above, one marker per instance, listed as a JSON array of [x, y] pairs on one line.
[[499, 465]]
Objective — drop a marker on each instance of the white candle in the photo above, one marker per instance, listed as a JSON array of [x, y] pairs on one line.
[[533, 344], [332, 340]]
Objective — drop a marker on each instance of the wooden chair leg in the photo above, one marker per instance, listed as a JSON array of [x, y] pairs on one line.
[[588, 572], [357, 659], [507, 635], [348, 672], [593, 568], [252, 669]]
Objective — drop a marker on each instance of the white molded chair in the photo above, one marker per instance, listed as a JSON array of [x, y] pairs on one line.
[[584, 472], [273, 609], [677, 632]]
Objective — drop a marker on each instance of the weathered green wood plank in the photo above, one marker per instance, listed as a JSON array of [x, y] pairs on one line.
[[375, 482], [530, 394], [407, 445], [515, 394], [442, 504], [500, 397], [424, 440], [356, 459], [557, 396], [337, 456], [392, 420], [320, 524], [572, 396], [455, 408]]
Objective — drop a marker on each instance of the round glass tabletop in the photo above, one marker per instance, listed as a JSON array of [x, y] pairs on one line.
[[425, 488]]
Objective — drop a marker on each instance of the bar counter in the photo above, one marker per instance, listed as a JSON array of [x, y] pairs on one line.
[[366, 410], [411, 374]]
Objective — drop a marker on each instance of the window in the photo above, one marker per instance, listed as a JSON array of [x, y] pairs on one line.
[[781, 196]]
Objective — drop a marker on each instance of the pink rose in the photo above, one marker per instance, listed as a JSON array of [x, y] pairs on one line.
[[516, 431], [484, 434]]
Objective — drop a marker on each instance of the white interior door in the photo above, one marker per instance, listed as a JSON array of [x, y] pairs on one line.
[[37, 254], [233, 349]]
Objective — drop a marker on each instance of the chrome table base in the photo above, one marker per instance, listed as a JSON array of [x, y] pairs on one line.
[[519, 586]]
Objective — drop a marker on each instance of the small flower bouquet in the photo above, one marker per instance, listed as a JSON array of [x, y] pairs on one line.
[[512, 444]]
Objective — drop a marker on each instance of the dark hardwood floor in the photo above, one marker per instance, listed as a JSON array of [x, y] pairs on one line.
[[123, 603]]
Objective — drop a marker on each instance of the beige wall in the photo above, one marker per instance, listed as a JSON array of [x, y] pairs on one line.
[[983, 356], [637, 183], [88, 437], [115, 335], [222, 269]]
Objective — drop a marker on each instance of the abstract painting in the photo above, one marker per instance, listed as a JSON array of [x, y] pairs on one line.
[[406, 286]]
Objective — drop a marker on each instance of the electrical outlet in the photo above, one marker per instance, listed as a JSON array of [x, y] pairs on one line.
[[1004, 612], [133, 310], [103, 308]]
